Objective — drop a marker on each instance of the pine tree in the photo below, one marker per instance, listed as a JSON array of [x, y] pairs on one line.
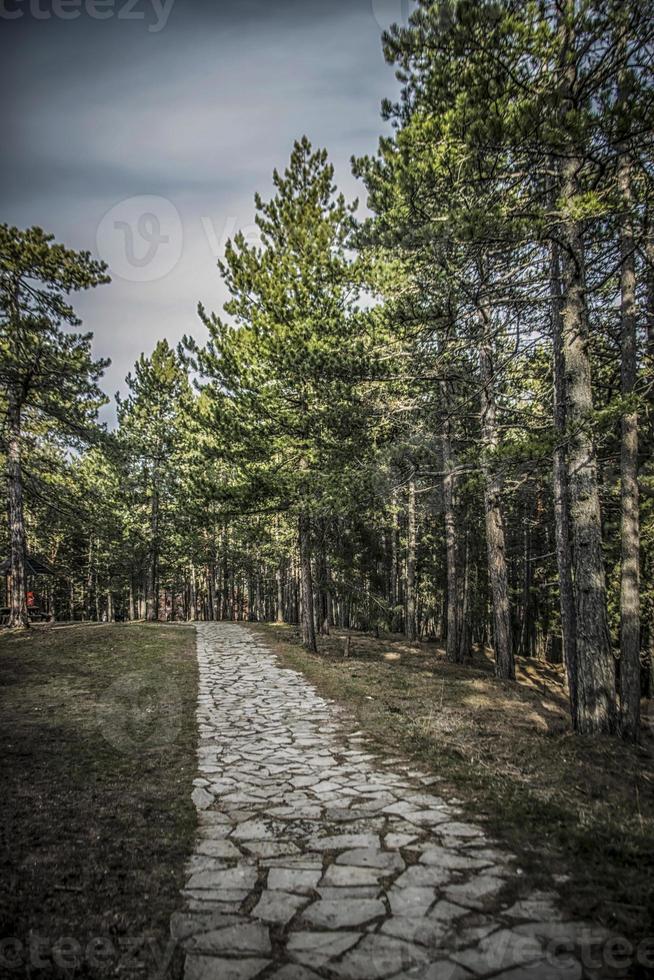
[[284, 372], [46, 373]]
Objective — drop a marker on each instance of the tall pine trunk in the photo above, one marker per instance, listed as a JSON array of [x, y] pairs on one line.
[[306, 583], [595, 666], [596, 671], [192, 596], [18, 617], [560, 487], [131, 603], [630, 526], [279, 578], [455, 606], [495, 539], [410, 625], [151, 597], [465, 630]]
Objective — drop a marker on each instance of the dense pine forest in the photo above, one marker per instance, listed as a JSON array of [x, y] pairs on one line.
[[429, 416]]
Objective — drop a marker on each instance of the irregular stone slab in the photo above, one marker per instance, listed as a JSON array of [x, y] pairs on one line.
[[444, 857], [339, 842], [218, 897], [339, 876], [416, 929], [370, 857], [441, 970], [203, 862], [220, 848], [252, 830], [185, 924], [394, 841], [244, 876], [461, 830], [445, 911], [237, 940], [293, 879], [294, 972], [429, 818], [539, 906], [358, 892], [500, 950], [343, 913], [279, 907], [317, 948], [407, 901], [564, 969], [267, 849], [217, 968], [379, 956], [475, 893], [202, 798], [211, 817], [421, 876], [307, 860]]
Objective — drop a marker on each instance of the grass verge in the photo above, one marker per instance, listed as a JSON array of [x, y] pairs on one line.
[[98, 739], [579, 813]]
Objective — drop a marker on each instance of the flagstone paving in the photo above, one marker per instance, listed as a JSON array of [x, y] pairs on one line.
[[317, 858]]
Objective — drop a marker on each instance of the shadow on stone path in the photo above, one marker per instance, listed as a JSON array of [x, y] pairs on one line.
[[315, 858]]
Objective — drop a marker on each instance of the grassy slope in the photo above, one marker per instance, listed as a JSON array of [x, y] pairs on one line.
[[98, 743], [578, 812]]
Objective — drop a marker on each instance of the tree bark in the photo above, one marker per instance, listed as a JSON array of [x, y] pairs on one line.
[[595, 666], [279, 578], [193, 596], [306, 583], [131, 604], [18, 616], [596, 671], [465, 640], [111, 615], [396, 577], [630, 526], [495, 539], [151, 597], [560, 487], [455, 610], [410, 625]]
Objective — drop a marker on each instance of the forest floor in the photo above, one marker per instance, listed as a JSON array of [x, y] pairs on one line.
[[579, 813], [98, 747]]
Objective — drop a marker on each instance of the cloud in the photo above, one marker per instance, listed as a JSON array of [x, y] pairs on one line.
[[198, 113]]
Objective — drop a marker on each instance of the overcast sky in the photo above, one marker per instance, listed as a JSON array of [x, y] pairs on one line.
[[142, 136]]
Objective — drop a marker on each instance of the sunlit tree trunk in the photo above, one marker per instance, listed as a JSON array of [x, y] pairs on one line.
[[306, 583], [497, 568]]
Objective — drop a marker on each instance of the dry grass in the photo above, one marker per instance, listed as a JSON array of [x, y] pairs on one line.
[[578, 812], [98, 741]]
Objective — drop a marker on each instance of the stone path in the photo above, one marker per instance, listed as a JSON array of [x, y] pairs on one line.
[[315, 859]]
